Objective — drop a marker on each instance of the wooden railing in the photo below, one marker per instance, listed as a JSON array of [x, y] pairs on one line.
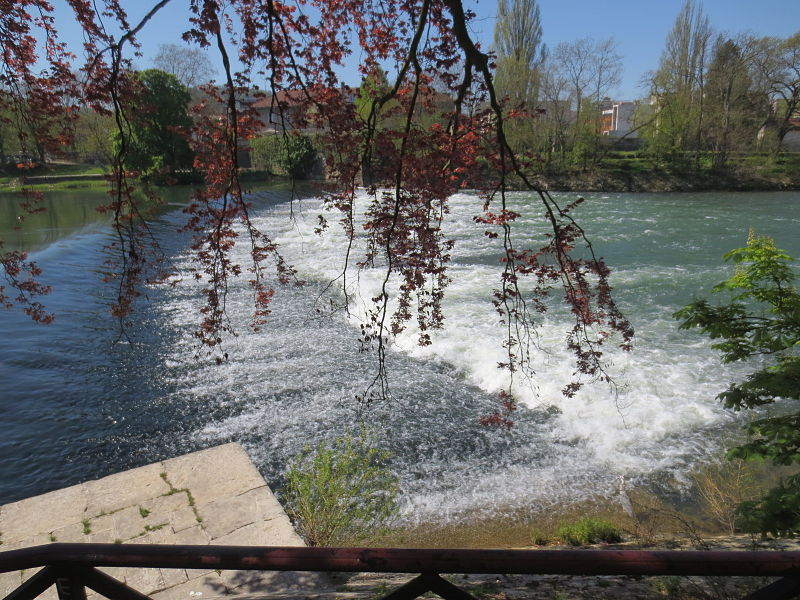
[[73, 567]]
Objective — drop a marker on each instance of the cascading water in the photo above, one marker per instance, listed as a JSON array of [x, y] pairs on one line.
[[294, 383]]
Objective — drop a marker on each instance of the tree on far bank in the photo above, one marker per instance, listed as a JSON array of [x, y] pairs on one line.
[[382, 114], [92, 143], [520, 50], [732, 106], [555, 123], [158, 125], [678, 84], [190, 65], [592, 69], [776, 69]]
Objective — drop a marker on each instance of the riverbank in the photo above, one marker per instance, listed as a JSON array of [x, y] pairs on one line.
[[58, 176], [663, 181], [616, 172], [636, 175]]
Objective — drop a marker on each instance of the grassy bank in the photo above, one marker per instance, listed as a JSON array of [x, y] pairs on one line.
[[87, 177], [614, 171], [54, 177], [669, 515], [636, 172]]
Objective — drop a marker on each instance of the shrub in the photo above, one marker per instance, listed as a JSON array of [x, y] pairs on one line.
[[291, 154], [298, 156], [723, 486], [339, 494], [539, 537], [589, 531], [265, 153]]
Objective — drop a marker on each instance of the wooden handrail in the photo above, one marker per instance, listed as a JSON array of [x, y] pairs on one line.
[[405, 560], [82, 558]]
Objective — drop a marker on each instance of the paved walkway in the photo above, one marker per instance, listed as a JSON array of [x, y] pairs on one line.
[[214, 496]]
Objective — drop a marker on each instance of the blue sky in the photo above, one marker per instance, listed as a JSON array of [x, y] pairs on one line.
[[639, 26]]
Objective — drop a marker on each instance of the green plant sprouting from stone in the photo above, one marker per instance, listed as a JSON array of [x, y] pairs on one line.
[[339, 492], [189, 498]]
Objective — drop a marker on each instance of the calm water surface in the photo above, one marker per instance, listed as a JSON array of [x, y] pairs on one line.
[[77, 402]]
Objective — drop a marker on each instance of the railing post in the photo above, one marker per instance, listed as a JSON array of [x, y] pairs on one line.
[[783, 589], [428, 582], [69, 586], [35, 585]]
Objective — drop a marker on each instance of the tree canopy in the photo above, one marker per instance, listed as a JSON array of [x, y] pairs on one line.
[[157, 140], [190, 65], [721, 93], [520, 50], [297, 49]]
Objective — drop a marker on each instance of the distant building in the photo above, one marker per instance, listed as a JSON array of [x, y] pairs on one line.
[[279, 112], [617, 119], [285, 109], [791, 140]]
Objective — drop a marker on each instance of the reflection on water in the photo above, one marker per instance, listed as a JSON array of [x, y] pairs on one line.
[[66, 212]]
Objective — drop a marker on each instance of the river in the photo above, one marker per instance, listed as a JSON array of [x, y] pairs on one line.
[[78, 402]]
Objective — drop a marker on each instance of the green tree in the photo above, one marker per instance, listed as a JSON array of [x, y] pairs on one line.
[[372, 87], [92, 143], [298, 156], [731, 118], [265, 152], [775, 64], [292, 154], [380, 116], [9, 143], [158, 125], [761, 318], [678, 84], [520, 50]]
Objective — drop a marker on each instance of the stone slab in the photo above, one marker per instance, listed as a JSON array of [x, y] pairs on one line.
[[214, 496], [121, 490], [42, 514], [226, 515], [221, 472]]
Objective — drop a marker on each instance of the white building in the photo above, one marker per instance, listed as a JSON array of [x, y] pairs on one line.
[[617, 120]]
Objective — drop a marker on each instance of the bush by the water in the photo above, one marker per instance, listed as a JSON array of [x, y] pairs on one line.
[[293, 155], [340, 493], [589, 531]]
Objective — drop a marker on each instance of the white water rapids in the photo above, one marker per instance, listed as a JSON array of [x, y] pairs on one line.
[[294, 383]]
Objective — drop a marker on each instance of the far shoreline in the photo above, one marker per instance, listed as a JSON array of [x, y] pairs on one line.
[[659, 180], [569, 179]]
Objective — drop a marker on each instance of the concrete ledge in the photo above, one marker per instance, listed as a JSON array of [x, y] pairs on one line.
[[214, 496]]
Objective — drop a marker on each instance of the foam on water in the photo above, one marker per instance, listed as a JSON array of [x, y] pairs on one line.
[[294, 383]]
